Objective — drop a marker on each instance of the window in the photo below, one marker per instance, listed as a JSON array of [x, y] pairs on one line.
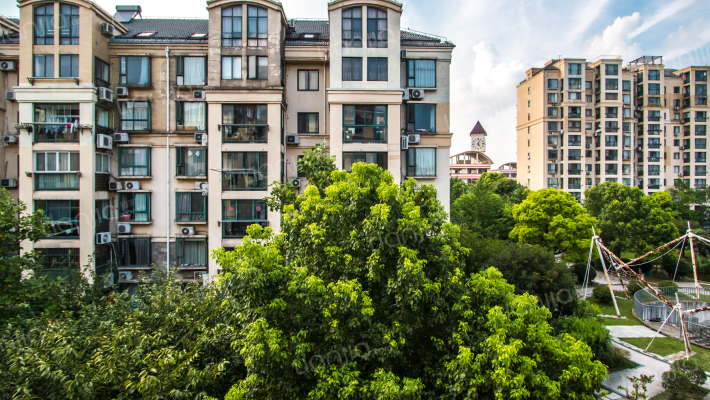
[[103, 120], [134, 161], [574, 140], [352, 68], [588, 84], [701, 90], [308, 80], [575, 95], [611, 96], [611, 169], [700, 143], [575, 126], [552, 83], [191, 71], [376, 27], [102, 72], [612, 84], [44, 24], [307, 122], [190, 161], [627, 114], [421, 161], [190, 207], [377, 68], [364, 123], [352, 27], [63, 217], [380, 159], [145, 34], [68, 24], [103, 163], [574, 69], [611, 140], [231, 68], [422, 73], [257, 67], [68, 66], [244, 123], [589, 98], [244, 171], [552, 111], [134, 252], [134, 71], [191, 252], [58, 262], [654, 116], [232, 27], [552, 125], [135, 115], [611, 69], [56, 122], [237, 215], [257, 22], [574, 83], [191, 115], [421, 117], [134, 207], [654, 88], [701, 76], [700, 130], [44, 66]]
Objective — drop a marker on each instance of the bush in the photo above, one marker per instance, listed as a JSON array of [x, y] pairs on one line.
[[669, 263], [634, 286], [602, 294], [676, 383], [692, 370], [580, 270], [666, 284]]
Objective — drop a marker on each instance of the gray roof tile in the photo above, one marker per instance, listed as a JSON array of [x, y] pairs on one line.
[[168, 31]]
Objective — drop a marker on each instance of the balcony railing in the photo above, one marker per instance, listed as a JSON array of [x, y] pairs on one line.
[[55, 132], [244, 133], [700, 119], [574, 172], [574, 143], [700, 160], [238, 229], [654, 159], [574, 115], [654, 119], [701, 173], [654, 145], [654, 186], [365, 134], [611, 129], [611, 87], [574, 129], [56, 181], [243, 180], [611, 171], [575, 186], [574, 158]]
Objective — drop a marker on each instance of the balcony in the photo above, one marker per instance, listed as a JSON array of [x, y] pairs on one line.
[[654, 186], [654, 159], [574, 172], [700, 119], [654, 145], [243, 180], [233, 133], [55, 133], [611, 87], [574, 115], [611, 129], [575, 143], [575, 186], [376, 134], [611, 116], [56, 180], [701, 173], [238, 229], [574, 158]]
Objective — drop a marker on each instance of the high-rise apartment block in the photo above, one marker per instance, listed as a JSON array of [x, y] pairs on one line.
[[583, 122], [151, 141]]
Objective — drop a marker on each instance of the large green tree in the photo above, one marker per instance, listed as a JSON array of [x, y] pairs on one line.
[[554, 219], [630, 220], [482, 212], [362, 296]]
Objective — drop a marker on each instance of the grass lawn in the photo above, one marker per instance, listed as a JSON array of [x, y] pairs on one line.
[[665, 346], [625, 308], [697, 393]]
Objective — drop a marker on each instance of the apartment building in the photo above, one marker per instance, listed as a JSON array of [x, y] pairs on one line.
[[583, 122], [149, 142]]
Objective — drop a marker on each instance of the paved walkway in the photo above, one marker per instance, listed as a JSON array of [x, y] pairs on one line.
[[632, 331], [647, 366]]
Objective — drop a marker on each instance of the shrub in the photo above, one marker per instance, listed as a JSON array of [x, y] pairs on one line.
[[634, 286], [666, 284], [602, 294], [692, 370], [676, 383], [580, 270]]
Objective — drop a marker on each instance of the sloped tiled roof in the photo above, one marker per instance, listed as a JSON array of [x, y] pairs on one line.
[[408, 38], [478, 129], [14, 20], [320, 29], [168, 31]]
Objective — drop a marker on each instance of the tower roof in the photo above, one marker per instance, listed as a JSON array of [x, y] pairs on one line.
[[478, 130]]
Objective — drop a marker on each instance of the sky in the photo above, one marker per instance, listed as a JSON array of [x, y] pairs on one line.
[[497, 41]]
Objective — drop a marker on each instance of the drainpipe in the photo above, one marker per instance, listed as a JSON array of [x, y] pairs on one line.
[[167, 160], [325, 62]]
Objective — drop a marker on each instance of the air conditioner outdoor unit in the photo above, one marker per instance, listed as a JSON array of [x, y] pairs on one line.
[[589, 172], [8, 183], [201, 138], [105, 94], [293, 139], [10, 139], [121, 91], [187, 230], [199, 276], [124, 228], [120, 137], [115, 186], [108, 29], [132, 185], [10, 95], [198, 94], [682, 147], [296, 183], [416, 94], [675, 108], [125, 276], [414, 138], [200, 185], [104, 142], [562, 131], [405, 142], [103, 238], [111, 281], [8, 66], [403, 53], [680, 174], [682, 121], [405, 95]]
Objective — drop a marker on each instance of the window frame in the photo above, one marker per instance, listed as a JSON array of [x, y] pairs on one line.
[[412, 73], [232, 35], [301, 115], [180, 116], [121, 165], [364, 155], [45, 57], [351, 61], [257, 76], [252, 137], [308, 80], [377, 41], [47, 39], [50, 266], [263, 161], [411, 117], [236, 202], [123, 66], [258, 20], [375, 62], [180, 252], [180, 70], [192, 216], [64, 224], [100, 64], [134, 120], [354, 40], [74, 21], [232, 59], [123, 242], [413, 163], [182, 161], [73, 65], [73, 157], [347, 126], [128, 206], [105, 160]]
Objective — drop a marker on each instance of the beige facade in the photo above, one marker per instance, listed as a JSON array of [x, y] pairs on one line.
[[261, 88], [584, 122]]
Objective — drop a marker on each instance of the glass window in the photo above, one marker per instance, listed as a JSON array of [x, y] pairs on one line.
[[552, 111], [68, 66], [380, 159], [68, 24], [308, 79], [134, 161], [701, 90], [654, 75], [191, 252], [365, 123], [422, 73], [237, 215], [257, 26], [244, 123], [44, 66], [377, 68], [134, 207], [134, 252], [63, 217], [56, 122], [257, 67], [421, 117], [244, 170], [574, 69], [231, 68], [552, 125], [654, 88], [421, 161], [232, 27], [307, 122], [103, 118], [58, 262], [191, 71], [191, 115], [134, 71], [574, 83], [190, 207], [552, 83], [44, 24], [103, 163], [611, 69], [574, 140], [102, 72], [552, 97], [626, 85], [376, 27], [612, 84], [191, 161], [352, 27], [352, 68], [135, 115]]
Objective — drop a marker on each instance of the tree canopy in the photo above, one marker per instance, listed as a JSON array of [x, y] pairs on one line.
[[482, 212]]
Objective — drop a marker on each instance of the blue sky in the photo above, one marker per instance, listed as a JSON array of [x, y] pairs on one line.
[[497, 41]]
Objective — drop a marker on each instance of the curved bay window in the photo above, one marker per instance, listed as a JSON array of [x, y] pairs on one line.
[[244, 123], [364, 123], [56, 122], [257, 27], [237, 215], [352, 27], [63, 217], [376, 27], [244, 171]]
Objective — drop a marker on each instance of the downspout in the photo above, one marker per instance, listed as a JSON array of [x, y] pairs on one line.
[[325, 62], [167, 161]]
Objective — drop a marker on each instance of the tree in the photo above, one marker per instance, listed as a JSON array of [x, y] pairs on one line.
[[638, 387], [509, 189], [458, 187], [630, 220], [553, 219], [362, 295], [692, 370], [483, 212], [676, 383]]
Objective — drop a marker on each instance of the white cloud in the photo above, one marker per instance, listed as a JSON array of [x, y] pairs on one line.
[[664, 13], [615, 40], [686, 47]]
